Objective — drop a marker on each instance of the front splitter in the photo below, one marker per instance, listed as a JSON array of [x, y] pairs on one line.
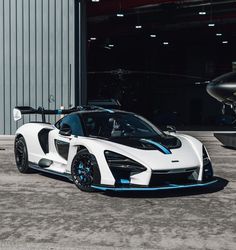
[[167, 187]]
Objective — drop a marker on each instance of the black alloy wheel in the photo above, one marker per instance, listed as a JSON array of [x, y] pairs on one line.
[[21, 155], [82, 171]]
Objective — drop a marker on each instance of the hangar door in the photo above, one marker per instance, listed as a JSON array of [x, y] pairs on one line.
[[37, 57]]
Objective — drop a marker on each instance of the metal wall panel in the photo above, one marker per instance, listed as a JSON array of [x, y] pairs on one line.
[[37, 62], [2, 68]]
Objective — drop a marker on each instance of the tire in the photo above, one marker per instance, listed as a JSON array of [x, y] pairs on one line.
[[21, 155], [82, 171]]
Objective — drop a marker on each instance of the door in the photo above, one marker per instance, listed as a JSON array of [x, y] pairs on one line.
[[72, 125]]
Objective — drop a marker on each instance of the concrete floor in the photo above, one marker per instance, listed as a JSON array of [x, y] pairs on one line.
[[41, 212]]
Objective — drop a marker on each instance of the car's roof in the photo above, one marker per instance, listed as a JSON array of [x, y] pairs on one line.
[[112, 111]]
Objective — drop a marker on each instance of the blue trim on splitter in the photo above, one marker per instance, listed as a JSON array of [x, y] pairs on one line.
[[164, 149], [170, 186]]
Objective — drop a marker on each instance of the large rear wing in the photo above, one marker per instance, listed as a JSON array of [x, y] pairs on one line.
[[95, 104], [24, 110]]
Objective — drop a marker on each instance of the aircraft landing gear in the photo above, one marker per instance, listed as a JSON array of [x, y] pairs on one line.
[[223, 109]]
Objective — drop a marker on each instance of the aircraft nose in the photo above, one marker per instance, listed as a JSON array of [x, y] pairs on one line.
[[219, 91]]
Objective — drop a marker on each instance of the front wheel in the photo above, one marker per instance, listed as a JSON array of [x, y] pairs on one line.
[[82, 171], [21, 155]]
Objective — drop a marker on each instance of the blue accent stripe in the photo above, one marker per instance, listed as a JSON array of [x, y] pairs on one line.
[[171, 186], [164, 149], [124, 181], [59, 111]]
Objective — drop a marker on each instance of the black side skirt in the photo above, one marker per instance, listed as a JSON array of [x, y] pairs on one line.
[[38, 168]]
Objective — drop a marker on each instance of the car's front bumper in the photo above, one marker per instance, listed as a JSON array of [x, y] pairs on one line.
[[164, 187]]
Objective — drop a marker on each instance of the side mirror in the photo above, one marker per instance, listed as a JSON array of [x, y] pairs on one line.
[[171, 129], [65, 130]]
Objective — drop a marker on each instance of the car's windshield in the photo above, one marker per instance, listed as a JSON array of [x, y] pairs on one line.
[[118, 124]]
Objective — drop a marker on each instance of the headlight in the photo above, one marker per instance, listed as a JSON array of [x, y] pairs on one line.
[[205, 157], [121, 162]]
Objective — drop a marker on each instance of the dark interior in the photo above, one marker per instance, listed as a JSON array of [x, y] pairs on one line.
[[160, 69]]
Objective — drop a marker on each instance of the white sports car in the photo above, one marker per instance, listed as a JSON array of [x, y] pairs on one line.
[[103, 149]]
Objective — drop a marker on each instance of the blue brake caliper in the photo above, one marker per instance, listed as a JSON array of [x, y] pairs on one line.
[[80, 171]]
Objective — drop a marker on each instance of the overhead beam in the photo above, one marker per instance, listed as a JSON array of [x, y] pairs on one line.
[[109, 7], [112, 6]]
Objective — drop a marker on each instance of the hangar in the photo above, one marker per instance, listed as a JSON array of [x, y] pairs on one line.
[[153, 56], [166, 51]]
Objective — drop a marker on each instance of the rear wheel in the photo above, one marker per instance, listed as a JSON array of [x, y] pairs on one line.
[[21, 155], [82, 171]]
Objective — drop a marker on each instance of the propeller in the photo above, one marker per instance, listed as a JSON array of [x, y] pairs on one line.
[[122, 72]]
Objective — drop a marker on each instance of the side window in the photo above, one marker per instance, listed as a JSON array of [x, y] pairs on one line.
[[91, 125], [58, 124], [74, 122]]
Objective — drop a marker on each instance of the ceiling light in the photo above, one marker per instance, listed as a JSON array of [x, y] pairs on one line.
[[153, 35], [138, 26], [211, 25], [111, 45], [202, 13], [93, 38], [225, 42], [120, 15], [218, 34], [165, 43], [95, 1]]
